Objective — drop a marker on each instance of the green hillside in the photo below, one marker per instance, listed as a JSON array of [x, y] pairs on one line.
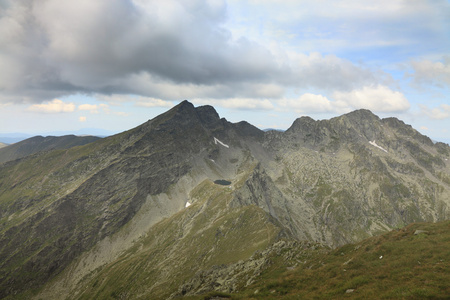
[[409, 263]]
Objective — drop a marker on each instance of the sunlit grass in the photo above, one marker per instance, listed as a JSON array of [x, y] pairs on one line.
[[396, 265]]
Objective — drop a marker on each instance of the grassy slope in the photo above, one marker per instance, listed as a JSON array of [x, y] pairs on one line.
[[29, 188], [47, 176], [398, 264], [199, 237]]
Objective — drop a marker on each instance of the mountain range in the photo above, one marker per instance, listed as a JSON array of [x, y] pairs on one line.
[[39, 143], [188, 202], [12, 138]]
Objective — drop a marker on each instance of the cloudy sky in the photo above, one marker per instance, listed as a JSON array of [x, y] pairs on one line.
[[113, 64]]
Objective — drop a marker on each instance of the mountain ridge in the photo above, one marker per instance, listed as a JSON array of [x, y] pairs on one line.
[[39, 143], [67, 215]]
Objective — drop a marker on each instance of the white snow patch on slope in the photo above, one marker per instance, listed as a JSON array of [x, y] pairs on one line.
[[217, 141], [379, 147], [187, 204]]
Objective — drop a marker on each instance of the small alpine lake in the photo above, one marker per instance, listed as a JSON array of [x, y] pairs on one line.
[[222, 182]]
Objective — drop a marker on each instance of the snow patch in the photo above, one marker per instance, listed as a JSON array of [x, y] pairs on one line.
[[187, 204], [217, 141], [375, 145]]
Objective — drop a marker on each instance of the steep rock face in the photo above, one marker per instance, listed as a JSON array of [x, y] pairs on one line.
[[260, 190], [358, 175], [328, 134]]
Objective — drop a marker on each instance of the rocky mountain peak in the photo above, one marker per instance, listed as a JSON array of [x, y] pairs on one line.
[[184, 105], [332, 133], [362, 123], [361, 114], [302, 124], [208, 116], [186, 115], [182, 110]]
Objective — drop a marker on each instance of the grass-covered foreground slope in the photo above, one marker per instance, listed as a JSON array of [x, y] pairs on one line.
[[409, 263]]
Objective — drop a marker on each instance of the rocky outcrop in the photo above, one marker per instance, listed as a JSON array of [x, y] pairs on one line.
[[357, 175], [237, 276]]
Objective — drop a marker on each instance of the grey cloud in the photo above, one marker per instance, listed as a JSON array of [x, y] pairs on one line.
[[53, 48], [328, 72], [179, 44]]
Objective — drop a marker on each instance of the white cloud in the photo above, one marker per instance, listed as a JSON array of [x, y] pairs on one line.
[[92, 108], [142, 101], [326, 72], [5, 104], [54, 106], [433, 72], [152, 102], [437, 113], [377, 99], [82, 119], [333, 26], [237, 103], [308, 103]]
